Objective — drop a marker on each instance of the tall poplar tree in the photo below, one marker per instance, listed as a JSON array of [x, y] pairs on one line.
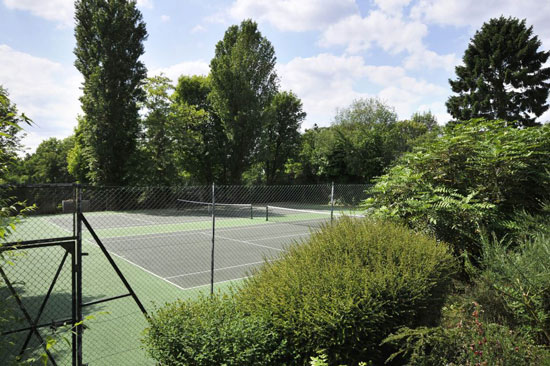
[[503, 75], [243, 81], [109, 42]]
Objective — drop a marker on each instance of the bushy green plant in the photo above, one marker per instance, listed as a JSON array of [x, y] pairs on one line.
[[211, 331], [348, 286], [475, 175], [469, 341], [514, 283]]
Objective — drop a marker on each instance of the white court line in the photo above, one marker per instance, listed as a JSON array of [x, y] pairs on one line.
[[56, 225], [134, 218], [283, 236], [247, 242], [216, 283], [148, 236], [215, 269], [134, 264]]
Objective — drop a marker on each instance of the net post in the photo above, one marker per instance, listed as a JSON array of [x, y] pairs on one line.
[[251, 212], [213, 238], [266, 213], [332, 203]]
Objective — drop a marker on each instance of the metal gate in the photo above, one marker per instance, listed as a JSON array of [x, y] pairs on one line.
[[41, 302]]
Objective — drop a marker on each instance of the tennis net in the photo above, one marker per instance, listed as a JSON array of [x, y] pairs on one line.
[[311, 218], [198, 208]]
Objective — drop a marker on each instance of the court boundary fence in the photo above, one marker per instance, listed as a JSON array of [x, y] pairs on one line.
[[93, 198], [73, 246]]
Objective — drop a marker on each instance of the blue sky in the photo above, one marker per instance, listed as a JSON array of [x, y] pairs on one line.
[[329, 52]]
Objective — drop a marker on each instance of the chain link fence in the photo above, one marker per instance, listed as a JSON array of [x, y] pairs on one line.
[[143, 245]]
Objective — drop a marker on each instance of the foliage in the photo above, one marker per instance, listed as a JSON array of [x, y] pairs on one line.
[[514, 284], [200, 139], [109, 41], [364, 139], [211, 331], [469, 341], [503, 75], [280, 136], [474, 177], [157, 166], [243, 81], [349, 286], [10, 128], [48, 164]]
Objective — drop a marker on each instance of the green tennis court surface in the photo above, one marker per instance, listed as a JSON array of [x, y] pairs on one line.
[[164, 254]]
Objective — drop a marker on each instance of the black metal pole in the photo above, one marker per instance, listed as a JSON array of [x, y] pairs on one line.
[[213, 239], [115, 267], [79, 327]]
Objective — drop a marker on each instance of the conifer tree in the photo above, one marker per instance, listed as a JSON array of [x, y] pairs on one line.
[[109, 41], [502, 76]]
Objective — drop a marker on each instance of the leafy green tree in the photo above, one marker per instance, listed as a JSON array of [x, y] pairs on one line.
[[201, 141], [194, 91], [10, 132], [477, 174], [426, 118], [244, 81], [109, 41], [503, 75], [280, 137], [364, 139], [48, 164], [157, 163]]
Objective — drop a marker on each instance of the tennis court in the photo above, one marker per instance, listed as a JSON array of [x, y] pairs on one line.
[[178, 248], [163, 247]]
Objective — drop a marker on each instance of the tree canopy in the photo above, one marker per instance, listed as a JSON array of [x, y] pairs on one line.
[[502, 76], [11, 122], [243, 81], [109, 42]]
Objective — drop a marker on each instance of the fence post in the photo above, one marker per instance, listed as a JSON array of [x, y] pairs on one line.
[[332, 203], [80, 327], [213, 238]]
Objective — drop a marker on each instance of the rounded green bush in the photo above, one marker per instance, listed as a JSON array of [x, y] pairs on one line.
[[211, 331], [348, 287]]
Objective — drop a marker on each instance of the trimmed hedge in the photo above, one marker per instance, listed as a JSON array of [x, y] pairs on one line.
[[211, 331], [348, 287], [342, 291]]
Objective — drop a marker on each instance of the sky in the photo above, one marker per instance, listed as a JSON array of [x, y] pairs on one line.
[[329, 52]]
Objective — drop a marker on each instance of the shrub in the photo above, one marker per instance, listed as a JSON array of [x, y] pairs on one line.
[[514, 284], [211, 331], [478, 174], [469, 341], [347, 287]]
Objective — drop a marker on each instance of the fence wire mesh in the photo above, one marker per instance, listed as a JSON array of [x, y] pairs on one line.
[[169, 243]]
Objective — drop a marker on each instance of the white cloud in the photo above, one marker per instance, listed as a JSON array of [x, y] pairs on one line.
[[392, 6], [145, 4], [173, 72], [473, 13], [327, 82], [390, 33], [198, 29], [44, 90], [165, 18], [60, 11], [426, 59], [288, 15]]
